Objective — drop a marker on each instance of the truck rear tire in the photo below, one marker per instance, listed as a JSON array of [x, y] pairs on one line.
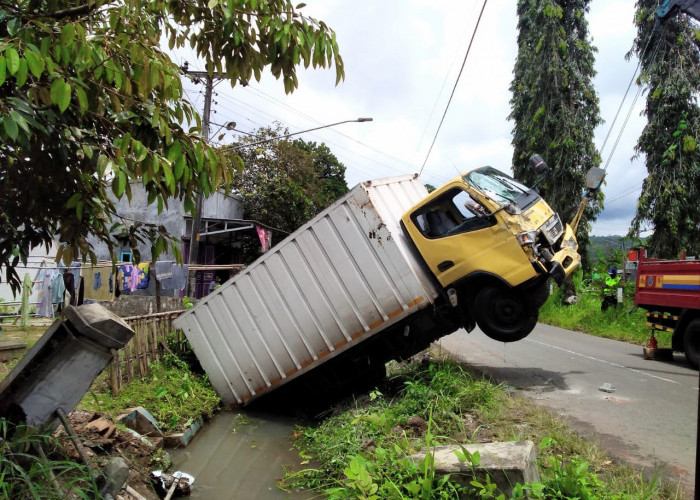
[[691, 343], [503, 314]]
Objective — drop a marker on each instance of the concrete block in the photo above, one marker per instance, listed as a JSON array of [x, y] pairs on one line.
[[182, 439], [506, 463], [10, 350], [141, 421]]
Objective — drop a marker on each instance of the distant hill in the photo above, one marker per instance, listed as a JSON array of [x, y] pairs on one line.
[[607, 246]]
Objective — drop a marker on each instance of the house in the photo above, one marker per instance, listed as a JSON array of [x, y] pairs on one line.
[[220, 248]]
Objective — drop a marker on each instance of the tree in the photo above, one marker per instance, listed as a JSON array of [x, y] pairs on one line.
[[90, 102], [554, 105], [670, 197], [328, 171], [285, 183]]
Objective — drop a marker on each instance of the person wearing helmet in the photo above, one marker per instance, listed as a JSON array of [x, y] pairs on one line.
[[610, 289]]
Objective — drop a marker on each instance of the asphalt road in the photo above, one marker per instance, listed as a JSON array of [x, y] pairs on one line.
[[651, 417]]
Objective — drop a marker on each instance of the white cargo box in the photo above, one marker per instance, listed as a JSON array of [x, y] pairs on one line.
[[341, 278]]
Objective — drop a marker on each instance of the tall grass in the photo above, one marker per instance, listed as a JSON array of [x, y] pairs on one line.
[[27, 473]]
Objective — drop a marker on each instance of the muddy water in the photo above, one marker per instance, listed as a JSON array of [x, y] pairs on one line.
[[240, 456]]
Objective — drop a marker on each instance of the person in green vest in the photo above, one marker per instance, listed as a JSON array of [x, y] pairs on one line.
[[610, 290]]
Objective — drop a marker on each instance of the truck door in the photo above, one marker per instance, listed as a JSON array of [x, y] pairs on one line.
[[459, 236]]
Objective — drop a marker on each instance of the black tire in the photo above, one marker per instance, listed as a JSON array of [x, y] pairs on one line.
[[691, 343], [504, 314], [538, 295]]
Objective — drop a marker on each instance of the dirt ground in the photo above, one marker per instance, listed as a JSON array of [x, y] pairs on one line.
[[103, 440]]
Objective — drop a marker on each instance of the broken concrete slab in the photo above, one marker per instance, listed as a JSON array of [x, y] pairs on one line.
[[59, 369], [507, 463], [141, 421], [103, 426], [9, 349]]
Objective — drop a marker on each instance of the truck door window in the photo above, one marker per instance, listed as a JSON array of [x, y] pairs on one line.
[[452, 213]]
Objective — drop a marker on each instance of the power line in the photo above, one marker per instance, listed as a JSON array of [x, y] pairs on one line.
[[455, 86]]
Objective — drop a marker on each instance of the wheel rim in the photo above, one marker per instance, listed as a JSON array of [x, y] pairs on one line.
[[507, 311]]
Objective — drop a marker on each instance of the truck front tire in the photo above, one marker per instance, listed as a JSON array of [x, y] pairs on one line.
[[691, 343], [503, 314]]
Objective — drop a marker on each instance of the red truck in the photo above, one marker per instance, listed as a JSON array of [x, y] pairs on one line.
[[670, 291]]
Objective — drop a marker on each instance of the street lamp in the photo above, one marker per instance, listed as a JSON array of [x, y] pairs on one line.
[[356, 120]]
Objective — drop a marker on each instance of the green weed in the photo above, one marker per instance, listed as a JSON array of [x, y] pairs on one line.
[[174, 395], [26, 474]]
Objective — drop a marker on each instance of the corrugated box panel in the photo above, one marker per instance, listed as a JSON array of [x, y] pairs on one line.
[[337, 280]]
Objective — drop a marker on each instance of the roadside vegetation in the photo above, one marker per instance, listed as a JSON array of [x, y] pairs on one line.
[[624, 322], [363, 450], [171, 392]]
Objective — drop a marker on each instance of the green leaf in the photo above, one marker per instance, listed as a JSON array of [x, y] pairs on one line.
[[64, 97], [22, 73], [10, 127], [67, 35], [179, 167], [12, 60], [175, 151], [82, 99], [20, 121], [73, 200], [13, 26], [35, 62], [56, 90], [120, 183], [3, 66]]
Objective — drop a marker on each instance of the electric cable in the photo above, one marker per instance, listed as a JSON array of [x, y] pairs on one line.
[[478, 21]]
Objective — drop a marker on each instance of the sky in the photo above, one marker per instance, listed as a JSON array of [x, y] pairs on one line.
[[402, 59]]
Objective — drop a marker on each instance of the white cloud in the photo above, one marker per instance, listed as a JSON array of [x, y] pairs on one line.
[[401, 62]]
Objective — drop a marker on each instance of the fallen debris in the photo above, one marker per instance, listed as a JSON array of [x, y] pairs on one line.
[[607, 387]]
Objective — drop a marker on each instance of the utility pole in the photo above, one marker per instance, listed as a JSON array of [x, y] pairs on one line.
[[206, 116]]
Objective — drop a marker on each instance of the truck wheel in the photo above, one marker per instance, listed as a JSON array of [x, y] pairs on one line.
[[691, 343], [503, 314]]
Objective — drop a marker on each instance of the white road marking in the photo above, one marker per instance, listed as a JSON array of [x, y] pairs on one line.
[[617, 365]]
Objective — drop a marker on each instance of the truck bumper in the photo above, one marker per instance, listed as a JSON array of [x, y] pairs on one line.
[[567, 259]]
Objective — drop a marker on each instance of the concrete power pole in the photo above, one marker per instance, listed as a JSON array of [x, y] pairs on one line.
[[197, 219]]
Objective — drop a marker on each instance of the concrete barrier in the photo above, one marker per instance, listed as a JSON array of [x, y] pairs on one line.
[[506, 463]]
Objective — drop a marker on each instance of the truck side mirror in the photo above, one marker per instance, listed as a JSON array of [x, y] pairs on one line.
[[538, 165], [594, 178]]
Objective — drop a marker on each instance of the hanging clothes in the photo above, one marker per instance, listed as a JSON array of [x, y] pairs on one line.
[[164, 274], [57, 288], [142, 276], [45, 306], [179, 279], [133, 278], [96, 283], [69, 282]]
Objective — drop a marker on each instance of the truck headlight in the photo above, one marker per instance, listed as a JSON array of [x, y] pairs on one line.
[[526, 238]]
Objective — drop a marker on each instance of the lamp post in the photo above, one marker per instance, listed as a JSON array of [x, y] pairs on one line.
[[196, 222], [356, 120]]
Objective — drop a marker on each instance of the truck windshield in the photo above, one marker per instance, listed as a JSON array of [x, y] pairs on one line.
[[501, 188]]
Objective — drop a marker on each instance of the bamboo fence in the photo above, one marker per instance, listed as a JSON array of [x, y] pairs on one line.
[[146, 346]]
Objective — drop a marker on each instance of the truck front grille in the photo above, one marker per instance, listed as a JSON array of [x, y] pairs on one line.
[[553, 229]]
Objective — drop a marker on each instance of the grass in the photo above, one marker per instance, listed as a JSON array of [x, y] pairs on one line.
[[27, 474], [29, 335], [625, 323], [171, 392], [362, 450]]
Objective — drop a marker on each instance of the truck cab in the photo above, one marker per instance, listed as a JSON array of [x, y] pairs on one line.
[[492, 243]]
